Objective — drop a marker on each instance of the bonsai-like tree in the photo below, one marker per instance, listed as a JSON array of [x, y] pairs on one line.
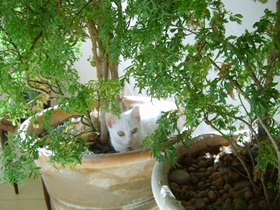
[[40, 40], [39, 43], [243, 68]]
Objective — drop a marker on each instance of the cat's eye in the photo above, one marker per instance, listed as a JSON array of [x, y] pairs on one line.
[[121, 133], [135, 130]]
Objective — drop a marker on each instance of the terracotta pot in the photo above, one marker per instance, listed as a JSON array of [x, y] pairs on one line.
[[161, 191], [108, 181]]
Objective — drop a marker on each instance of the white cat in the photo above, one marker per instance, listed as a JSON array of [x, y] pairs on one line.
[[128, 131]]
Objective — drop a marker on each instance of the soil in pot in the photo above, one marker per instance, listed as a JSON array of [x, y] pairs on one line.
[[214, 180], [100, 148]]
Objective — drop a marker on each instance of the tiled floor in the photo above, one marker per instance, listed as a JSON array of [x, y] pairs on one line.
[[30, 196]]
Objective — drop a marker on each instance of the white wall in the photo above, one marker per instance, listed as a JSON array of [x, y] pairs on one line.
[[250, 10]]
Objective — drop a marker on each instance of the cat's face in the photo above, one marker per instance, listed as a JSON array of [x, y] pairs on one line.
[[125, 132]]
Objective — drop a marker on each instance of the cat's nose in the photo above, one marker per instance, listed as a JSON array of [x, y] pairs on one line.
[[130, 141]]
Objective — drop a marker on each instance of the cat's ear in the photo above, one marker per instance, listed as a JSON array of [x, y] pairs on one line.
[[136, 113], [110, 119]]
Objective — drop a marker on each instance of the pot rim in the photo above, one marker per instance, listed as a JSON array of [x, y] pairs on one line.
[[97, 161]]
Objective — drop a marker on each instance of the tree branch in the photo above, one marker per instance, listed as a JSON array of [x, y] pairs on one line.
[[234, 146], [36, 39], [93, 35]]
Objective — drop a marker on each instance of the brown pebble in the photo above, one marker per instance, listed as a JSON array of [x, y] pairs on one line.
[[190, 207], [227, 187], [199, 158], [210, 162], [248, 195], [213, 187], [253, 206], [201, 185], [226, 196], [236, 200], [212, 196], [194, 165], [235, 176], [202, 164], [216, 175], [191, 194], [191, 169], [203, 170], [199, 204], [242, 184], [254, 200], [224, 170], [228, 201], [206, 200], [208, 183], [199, 175], [192, 201], [180, 177], [222, 192], [207, 173], [189, 188], [202, 194], [218, 182], [188, 160], [172, 184], [219, 201], [194, 180]]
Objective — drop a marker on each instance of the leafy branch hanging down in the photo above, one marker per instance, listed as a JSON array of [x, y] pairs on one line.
[[224, 79]]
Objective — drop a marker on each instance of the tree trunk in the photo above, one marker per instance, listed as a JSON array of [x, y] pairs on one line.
[[105, 71], [102, 73]]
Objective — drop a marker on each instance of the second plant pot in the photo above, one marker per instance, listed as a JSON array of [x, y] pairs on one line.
[[163, 195]]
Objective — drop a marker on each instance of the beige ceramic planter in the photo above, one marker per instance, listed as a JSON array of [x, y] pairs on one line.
[[161, 191], [114, 181], [109, 181]]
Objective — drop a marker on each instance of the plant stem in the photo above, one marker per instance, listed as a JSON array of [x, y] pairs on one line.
[[234, 146]]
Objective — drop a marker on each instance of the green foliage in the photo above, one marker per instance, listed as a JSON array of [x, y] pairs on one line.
[[36, 41], [178, 48], [159, 141], [266, 156], [65, 148], [95, 90], [18, 159], [185, 42], [39, 43], [183, 49]]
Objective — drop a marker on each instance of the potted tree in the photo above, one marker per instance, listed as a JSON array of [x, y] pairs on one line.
[[39, 43], [38, 37], [228, 81]]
